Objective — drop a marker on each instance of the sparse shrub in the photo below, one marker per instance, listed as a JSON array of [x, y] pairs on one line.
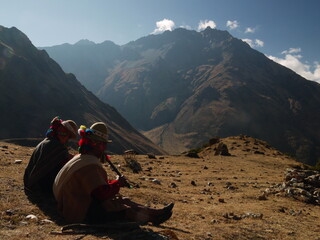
[[214, 140], [193, 153], [316, 167], [195, 150], [205, 145], [134, 165]]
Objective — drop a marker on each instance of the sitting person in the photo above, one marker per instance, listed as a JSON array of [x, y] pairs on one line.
[[84, 193], [48, 158]]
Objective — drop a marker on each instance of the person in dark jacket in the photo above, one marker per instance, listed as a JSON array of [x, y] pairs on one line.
[[48, 158]]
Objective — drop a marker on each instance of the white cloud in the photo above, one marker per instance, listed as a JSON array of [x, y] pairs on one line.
[[249, 41], [232, 24], [254, 43], [164, 25], [186, 27], [206, 23], [316, 73], [292, 50], [293, 61], [250, 30], [259, 43]]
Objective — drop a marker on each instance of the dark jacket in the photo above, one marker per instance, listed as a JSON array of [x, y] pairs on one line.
[[46, 161]]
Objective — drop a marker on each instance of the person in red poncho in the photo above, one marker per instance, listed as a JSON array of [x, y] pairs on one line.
[[85, 194]]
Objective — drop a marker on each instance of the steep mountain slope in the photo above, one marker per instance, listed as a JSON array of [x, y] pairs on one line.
[[88, 60], [34, 89], [184, 87]]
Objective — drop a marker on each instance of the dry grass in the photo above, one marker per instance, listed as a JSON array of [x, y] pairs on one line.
[[200, 208]]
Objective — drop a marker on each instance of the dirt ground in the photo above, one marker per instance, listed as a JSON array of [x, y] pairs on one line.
[[216, 197]]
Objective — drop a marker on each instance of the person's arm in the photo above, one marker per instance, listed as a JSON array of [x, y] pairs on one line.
[[106, 191]]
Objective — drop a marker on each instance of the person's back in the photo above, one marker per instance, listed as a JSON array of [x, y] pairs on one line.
[[45, 162], [75, 183], [48, 158]]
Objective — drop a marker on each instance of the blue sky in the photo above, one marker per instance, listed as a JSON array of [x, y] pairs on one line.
[[287, 31]]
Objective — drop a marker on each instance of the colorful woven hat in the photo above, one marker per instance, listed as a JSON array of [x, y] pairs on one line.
[[97, 132], [72, 127]]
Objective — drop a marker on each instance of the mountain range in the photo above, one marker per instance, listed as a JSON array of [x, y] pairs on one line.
[[34, 89], [183, 87]]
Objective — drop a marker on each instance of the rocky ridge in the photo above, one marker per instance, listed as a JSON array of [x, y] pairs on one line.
[[303, 185]]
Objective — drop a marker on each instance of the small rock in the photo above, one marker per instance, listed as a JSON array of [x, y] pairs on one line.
[[294, 213], [235, 217], [282, 209], [46, 221], [193, 183], [173, 185], [222, 149], [32, 217], [156, 181], [232, 216], [232, 188], [192, 155], [291, 233], [258, 215], [151, 156], [262, 197], [226, 215], [221, 200], [10, 212], [253, 215], [18, 161], [214, 221]]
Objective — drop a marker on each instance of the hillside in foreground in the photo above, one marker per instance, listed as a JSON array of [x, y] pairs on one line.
[[216, 197]]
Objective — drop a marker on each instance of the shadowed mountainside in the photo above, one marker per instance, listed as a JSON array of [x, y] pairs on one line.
[[34, 89], [183, 87]]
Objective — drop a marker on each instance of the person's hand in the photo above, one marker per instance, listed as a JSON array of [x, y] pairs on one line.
[[122, 181]]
